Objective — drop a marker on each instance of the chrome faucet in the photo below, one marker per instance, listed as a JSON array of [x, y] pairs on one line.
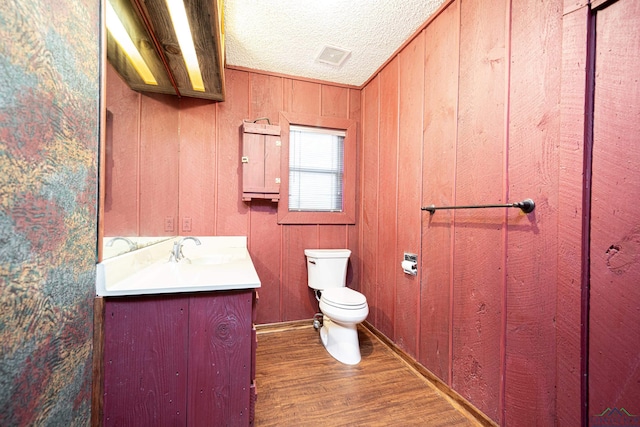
[[176, 253], [132, 246]]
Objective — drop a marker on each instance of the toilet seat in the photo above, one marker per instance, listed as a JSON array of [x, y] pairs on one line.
[[343, 298]]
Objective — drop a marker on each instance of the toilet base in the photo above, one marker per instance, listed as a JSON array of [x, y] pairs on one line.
[[341, 341]]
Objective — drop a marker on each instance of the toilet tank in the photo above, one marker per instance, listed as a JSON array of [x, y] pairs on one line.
[[327, 268]]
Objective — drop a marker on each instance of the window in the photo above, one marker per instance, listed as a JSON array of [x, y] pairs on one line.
[[318, 170]]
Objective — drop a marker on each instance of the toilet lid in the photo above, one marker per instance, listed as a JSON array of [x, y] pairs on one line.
[[343, 297]]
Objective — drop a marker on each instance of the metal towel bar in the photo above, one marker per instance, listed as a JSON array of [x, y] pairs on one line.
[[526, 206]]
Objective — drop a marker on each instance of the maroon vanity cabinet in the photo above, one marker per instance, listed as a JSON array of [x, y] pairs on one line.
[[180, 359]]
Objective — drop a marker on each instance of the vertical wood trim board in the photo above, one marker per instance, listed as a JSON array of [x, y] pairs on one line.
[[387, 198], [587, 293], [533, 169], [409, 189], [452, 237], [353, 231], [97, 385], [121, 162], [231, 212], [478, 252], [439, 141], [265, 237], [369, 196], [197, 170], [158, 145], [138, 168], [214, 191], [569, 264], [505, 196]]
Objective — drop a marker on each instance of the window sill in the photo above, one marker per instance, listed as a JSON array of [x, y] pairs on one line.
[[294, 217]]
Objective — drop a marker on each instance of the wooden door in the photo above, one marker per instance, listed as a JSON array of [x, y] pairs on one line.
[[614, 302]]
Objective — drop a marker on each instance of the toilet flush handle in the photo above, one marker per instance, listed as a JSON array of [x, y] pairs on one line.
[[312, 261]]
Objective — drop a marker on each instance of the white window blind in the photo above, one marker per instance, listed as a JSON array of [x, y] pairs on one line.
[[316, 169]]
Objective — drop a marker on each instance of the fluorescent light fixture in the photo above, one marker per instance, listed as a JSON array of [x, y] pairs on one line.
[[183, 32], [119, 33]]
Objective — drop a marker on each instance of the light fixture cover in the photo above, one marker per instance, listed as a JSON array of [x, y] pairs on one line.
[[123, 39], [333, 55], [182, 29]]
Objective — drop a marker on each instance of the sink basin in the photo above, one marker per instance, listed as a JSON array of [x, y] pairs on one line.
[[219, 263]]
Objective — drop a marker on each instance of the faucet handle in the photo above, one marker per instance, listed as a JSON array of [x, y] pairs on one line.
[[176, 253], [174, 256]]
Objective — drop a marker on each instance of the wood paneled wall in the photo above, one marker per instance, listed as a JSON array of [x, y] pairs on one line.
[[470, 110], [179, 159], [468, 113]]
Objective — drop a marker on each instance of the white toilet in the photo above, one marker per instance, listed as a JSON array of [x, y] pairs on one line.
[[342, 307]]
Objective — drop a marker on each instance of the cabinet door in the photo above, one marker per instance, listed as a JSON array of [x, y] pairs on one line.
[[272, 146], [253, 163], [145, 361], [219, 359], [260, 162]]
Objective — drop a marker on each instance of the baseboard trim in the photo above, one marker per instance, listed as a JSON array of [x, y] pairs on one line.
[[438, 384], [267, 328]]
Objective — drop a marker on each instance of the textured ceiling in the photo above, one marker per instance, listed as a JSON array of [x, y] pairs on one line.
[[286, 36]]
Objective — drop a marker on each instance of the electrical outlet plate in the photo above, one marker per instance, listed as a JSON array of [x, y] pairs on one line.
[[168, 224]]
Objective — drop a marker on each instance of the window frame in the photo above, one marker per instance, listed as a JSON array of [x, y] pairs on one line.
[[347, 216]]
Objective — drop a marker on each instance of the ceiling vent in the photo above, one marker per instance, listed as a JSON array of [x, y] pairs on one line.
[[333, 55]]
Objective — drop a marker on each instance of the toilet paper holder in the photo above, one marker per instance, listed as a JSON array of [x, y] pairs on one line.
[[410, 264]]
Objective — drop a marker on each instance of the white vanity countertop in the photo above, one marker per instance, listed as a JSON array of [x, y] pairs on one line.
[[219, 263], [119, 245]]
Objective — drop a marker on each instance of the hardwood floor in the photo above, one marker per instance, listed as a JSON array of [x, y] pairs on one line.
[[300, 384]]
